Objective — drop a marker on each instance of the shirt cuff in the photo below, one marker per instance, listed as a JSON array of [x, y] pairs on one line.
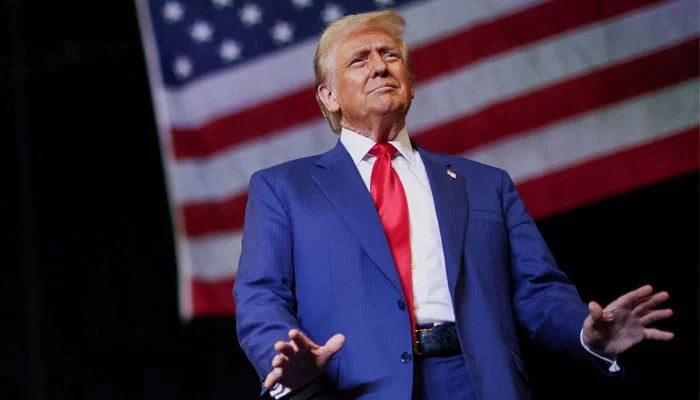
[[612, 364], [278, 391]]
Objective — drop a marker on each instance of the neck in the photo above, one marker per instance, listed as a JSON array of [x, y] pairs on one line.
[[378, 129]]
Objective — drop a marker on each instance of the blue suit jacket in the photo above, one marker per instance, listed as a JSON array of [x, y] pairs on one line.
[[315, 257]]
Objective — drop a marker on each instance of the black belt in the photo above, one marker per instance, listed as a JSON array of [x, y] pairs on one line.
[[436, 339]]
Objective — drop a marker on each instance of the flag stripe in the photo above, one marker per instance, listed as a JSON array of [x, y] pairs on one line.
[[226, 174], [597, 179], [204, 218], [595, 134], [216, 255], [212, 298], [481, 41], [251, 123], [512, 31], [566, 99]]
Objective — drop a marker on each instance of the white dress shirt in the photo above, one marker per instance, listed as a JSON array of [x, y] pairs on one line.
[[431, 296]]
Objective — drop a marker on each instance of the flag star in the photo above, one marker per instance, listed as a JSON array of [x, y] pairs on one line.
[[331, 13], [282, 32], [182, 66], [250, 14], [229, 50], [383, 3], [201, 31], [173, 11], [222, 3], [302, 3]]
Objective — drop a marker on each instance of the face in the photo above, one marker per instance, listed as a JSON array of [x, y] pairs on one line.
[[368, 78]]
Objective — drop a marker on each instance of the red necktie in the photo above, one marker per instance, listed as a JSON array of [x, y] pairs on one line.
[[390, 199]]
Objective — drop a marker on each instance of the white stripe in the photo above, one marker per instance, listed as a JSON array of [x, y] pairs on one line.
[[289, 70], [429, 21], [552, 60], [538, 153], [226, 174], [597, 134], [215, 257]]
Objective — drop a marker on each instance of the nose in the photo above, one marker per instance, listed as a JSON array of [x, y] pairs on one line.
[[378, 65]]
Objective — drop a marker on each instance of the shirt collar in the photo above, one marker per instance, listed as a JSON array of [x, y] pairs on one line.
[[359, 146]]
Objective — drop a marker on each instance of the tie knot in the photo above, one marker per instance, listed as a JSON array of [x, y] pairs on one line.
[[381, 149]]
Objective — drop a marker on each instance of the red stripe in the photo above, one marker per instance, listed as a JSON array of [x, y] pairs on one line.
[[480, 41], [537, 108], [251, 123], [618, 173], [212, 298], [514, 30], [226, 215]]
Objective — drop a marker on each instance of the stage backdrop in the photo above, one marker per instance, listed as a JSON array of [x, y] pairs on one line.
[[577, 99]]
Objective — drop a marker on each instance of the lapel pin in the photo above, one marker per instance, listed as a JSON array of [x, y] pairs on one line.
[[451, 173]]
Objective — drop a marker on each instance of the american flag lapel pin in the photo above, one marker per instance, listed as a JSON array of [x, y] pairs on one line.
[[451, 173]]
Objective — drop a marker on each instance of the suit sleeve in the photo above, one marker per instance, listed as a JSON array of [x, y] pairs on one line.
[[545, 300], [263, 290]]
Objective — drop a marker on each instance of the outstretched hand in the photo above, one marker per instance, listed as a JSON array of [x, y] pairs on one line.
[[300, 359], [623, 323]]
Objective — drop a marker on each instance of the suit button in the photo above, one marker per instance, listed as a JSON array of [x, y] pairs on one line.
[[402, 305], [405, 357]]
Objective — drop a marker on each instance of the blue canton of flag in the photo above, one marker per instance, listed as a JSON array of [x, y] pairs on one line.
[[195, 38]]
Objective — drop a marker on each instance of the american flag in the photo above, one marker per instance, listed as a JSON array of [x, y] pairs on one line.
[[576, 99]]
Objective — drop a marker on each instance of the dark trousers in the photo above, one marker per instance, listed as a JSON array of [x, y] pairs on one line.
[[442, 378], [435, 378]]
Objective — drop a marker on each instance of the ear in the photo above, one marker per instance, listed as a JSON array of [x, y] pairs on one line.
[[327, 97]]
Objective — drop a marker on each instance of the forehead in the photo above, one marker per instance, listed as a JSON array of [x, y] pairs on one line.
[[366, 38]]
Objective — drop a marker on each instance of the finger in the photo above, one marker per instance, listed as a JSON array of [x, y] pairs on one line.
[[657, 334], [629, 299], [289, 351], [301, 341], [656, 315], [650, 303], [279, 345], [286, 348], [273, 377], [279, 360], [292, 333], [596, 311], [334, 344]]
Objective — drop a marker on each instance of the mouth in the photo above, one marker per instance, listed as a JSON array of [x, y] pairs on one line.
[[383, 88]]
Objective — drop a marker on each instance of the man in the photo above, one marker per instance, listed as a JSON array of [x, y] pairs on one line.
[[366, 274]]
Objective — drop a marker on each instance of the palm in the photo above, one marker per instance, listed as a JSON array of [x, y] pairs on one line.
[[300, 359], [624, 322]]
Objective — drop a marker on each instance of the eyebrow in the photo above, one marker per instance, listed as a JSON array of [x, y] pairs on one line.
[[382, 48]]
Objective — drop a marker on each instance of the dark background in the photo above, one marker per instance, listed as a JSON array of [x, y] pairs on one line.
[[90, 289]]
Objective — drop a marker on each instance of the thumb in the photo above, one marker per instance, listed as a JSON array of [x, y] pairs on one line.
[[596, 311]]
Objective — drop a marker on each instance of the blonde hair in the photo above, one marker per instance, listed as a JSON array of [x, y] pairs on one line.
[[386, 20]]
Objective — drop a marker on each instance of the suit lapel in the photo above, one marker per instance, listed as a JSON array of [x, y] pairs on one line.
[[339, 180], [451, 206]]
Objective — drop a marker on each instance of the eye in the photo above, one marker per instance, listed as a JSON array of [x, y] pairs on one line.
[[357, 61], [391, 55]]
